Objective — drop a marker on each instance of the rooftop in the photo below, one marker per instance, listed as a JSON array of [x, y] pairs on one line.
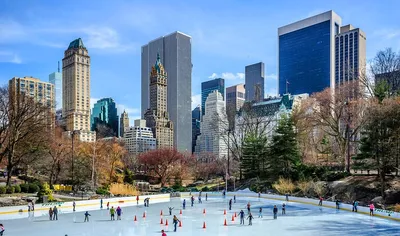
[[77, 43]]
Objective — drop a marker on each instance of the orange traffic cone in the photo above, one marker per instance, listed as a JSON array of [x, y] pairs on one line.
[[166, 222], [225, 224], [204, 225], [161, 222], [144, 214], [135, 218], [161, 213], [180, 223], [180, 212], [235, 214], [224, 212]]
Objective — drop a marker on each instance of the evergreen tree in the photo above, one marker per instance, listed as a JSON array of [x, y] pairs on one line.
[[284, 154], [254, 156]]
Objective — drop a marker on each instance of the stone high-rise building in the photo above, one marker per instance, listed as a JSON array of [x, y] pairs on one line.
[[123, 123], [157, 115], [235, 97], [76, 90]]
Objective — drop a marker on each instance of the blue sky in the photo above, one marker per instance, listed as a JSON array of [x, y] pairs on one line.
[[226, 36]]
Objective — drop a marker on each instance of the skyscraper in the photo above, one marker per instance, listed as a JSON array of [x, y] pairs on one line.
[[196, 118], [76, 90], [105, 113], [56, 79], [176, 56], [207, 88], [255, 79], [139, 138], [123, 123], [235, 97], [306, 54], [157, 115], [350, 54]]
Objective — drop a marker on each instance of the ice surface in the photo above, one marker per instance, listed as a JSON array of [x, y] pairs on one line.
[[299, 220]]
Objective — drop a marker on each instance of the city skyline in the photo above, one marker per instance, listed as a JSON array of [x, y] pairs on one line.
[[213, 56]]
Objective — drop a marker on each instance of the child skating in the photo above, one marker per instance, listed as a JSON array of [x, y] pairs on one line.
[[283, 209], [230, 204], [2, 229], [184, 204], [241, 214], [112, 213], [170, 210], [371, 209], [51, 213], [119, 213], [86, 216], [250, 218], [260, 213], [248, 208]]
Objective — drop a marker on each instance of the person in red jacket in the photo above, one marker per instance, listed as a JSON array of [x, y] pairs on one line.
[[163, 233], [137, 200]]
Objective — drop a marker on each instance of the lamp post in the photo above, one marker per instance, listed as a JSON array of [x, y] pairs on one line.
[[348, 138]]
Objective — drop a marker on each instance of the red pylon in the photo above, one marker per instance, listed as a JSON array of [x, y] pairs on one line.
[[180, 223], [204, 225], [135, 218], [144, 214], [161, 213], [235, 214], [225, 224], [224, 212], [180, 212], [161, 222], [204, 211], [166, 222], [233, 218]]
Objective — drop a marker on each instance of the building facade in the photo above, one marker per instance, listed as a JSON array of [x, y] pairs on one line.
[[235, 97], [157, 115], [392, 79], [104, 112], [350, 54], [76, 90], [208, 87], [254, 80], [56, 79], [176, 55], [123, 123], [139, 138], [196, 118], [213, 138], [306, 54]]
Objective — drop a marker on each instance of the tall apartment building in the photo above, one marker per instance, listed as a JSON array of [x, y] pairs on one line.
[[105, 113], [235, 97], [213, 127], [306, 54], [350, 54], [208, 87], [254, 80], [176, 55], [123, 123], [139, 138], [56, 79], [76, 90], [157, 115], [196, 118]]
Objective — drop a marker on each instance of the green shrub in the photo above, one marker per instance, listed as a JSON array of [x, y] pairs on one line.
[[24, 188], [10, 190], [17, 189], [102, 191], [45, 191], [33, 188], [205, 189], [2, 189]]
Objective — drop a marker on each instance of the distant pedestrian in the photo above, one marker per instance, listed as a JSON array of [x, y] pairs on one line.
[[260, 213], [287, 197], [355, 205], [2, 229], [248, 208], [200, 199], [337, 204], [250, 218], [73, 205], [259, 194], [283, 209], [192, 201], [112, 213], [320, 201], [241, 214], [230, 204], [170, 210], [163, 233], [175, 222], [275, 211], [51, 213], [206, 196], [86, 216], [184, 204], [108, 205], [234, 198], [101, 203], [371, 209], [137, 200], [119, 213], [55, 213]]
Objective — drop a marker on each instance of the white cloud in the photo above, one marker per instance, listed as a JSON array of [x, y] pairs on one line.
[[196, 100], [387, 33], [10, 57], [130, 110], [227, 76], [272, 77]]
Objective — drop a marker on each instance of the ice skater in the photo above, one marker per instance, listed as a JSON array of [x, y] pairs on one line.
[[29, 206], [250, 218], [86, 216], [175, 222], [184, 204], [148, 202], [55, 213], [2, 229], [163, 233], [320, 201], [145, 202], [51, 213], [108, 205], [371, 209], [112, 213], [337, 204], [192, 201], [137, 200], [283, 209], [206, 196], [259, 194], [101, 203], [260, 213], [230, 204], [287, 197], [170, 210], [234, 198], [200, 199], [275, 211], [248, 208], [355, 205], [241, 214], [73, 206], [119, 213]]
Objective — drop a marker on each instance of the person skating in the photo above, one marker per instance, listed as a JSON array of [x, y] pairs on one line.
[[230, 204], [108, 205], [259, 194], [250, 218], [241, 214], [55, 213], [33, 205], [145, 202], [371, 209], [119, 213], [184, 204], [112, 213], [248, 208], [354, 202], [29, 206], [2, 229], [170, 210], [148, 202], [206, 196], [260, 213], [283, 209], [163, 233], [51, 213], [355, 205], [275, 211], [200, 199], [137, 200], [192, 201], [175, 222], [320, 201], [234, 198], [287, 197], [73, 206], [337, 204], [86, 216], [101, 203]]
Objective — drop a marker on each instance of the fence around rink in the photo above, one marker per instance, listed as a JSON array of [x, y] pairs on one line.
[[309, 201], [41, 209]]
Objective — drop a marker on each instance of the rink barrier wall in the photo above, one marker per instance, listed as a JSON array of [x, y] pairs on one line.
[[80, 206], [309, 201]]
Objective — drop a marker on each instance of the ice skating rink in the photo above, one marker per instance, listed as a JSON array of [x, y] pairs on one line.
[[300, 219]]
